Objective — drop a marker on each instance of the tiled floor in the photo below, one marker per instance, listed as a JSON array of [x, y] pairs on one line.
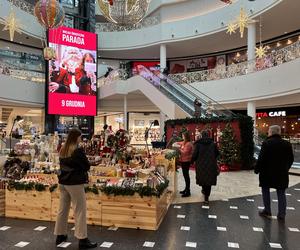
[[230, 185], [224, 224]]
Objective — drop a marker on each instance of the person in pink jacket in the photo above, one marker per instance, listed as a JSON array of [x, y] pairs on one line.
[[186, 152]]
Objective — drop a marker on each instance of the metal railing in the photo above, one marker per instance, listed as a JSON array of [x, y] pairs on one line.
[[23, 5], [272, 59], [16, 72]]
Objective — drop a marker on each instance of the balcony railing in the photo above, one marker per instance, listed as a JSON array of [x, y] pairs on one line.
[[111, 27], [23, 5], [14, 71], [273, 59]]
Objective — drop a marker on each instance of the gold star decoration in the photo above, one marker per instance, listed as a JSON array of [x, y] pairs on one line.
[[231, 28], [260, 51], [12, 24], [243, 20]]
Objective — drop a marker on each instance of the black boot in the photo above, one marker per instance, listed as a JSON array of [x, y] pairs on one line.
[[186, 194], [60, 239], [183, 191], [86, 243]]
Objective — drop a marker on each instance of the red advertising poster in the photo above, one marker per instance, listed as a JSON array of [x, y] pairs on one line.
[[151, 65], [72, 85]]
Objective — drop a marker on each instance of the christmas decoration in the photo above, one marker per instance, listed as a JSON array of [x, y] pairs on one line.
[[231, 28], [49, 53], [124, 12], [49, 13], [260, 51], [227, 1], [229, 149], [241, 22], [12, 24], [246, 147]]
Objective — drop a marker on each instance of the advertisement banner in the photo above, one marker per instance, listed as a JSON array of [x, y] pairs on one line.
[[72, 79]]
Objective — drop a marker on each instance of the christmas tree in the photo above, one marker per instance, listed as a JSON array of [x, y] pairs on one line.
[[228, 146]]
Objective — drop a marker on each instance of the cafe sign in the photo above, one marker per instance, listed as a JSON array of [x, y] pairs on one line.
[[271, 114]]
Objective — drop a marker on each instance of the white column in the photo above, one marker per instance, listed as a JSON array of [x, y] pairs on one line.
[[162, 120], [251, 40], [125, 120], [251, 111], [163, 57]]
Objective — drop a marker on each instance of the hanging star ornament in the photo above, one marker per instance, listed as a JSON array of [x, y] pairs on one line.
[[231, 28], [242, 21], [260, 51], [12, 24]]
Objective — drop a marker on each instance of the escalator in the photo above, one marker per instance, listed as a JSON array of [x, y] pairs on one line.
[[184, 96]]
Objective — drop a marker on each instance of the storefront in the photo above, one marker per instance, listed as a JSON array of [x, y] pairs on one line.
[[288, 118]]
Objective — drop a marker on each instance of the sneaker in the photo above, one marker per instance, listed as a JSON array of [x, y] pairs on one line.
[[60, 239], [265, 214], [186, 194], [206, 203], [86, 243]]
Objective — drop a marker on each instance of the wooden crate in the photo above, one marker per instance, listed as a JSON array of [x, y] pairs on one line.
[[93, 203], [28, 204], [133, 211]]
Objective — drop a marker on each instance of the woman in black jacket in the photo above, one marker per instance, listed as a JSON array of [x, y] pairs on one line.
[[74, 166], [205, 155]]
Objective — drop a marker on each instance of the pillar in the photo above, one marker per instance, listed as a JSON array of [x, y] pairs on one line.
[[125, 120], [251, 111], [251, 40], [163, 57]]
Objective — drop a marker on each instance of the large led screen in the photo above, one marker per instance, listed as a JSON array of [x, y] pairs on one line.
[[72, 83]]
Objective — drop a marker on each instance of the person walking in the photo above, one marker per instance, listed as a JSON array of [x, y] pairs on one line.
[[74, 167], [274, 161], [186, 151], [205, 155]]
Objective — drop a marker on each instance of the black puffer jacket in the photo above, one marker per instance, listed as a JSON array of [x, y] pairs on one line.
[[74, 169], [275, 159], [205, 155]]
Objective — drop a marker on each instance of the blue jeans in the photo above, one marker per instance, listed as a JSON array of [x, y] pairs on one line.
[[281, 201]]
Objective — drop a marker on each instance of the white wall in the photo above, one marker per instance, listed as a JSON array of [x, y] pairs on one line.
[[21, 91], [135, 83], [181, 30]]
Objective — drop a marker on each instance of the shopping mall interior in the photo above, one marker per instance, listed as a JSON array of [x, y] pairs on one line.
[[140, 79]]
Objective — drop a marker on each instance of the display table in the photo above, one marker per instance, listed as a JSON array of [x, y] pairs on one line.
[[131, 210]]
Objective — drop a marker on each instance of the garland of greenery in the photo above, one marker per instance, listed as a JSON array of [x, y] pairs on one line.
[[110, 190], [92, 189], [142, 191], [27, 186], [246, 148]]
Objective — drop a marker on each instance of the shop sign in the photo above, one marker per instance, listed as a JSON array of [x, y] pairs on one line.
[[271, 114]]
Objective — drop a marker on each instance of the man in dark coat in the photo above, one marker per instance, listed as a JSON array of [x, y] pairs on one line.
[[275, 159], [205, 155]]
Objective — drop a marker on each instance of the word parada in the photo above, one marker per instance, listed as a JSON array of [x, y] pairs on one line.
[[271, 114], [73, 39]]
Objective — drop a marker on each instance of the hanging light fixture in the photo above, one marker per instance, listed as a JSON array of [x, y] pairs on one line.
[[124, 12]]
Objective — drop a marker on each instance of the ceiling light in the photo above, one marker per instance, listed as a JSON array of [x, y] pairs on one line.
[[289, 42], [278, 44]]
